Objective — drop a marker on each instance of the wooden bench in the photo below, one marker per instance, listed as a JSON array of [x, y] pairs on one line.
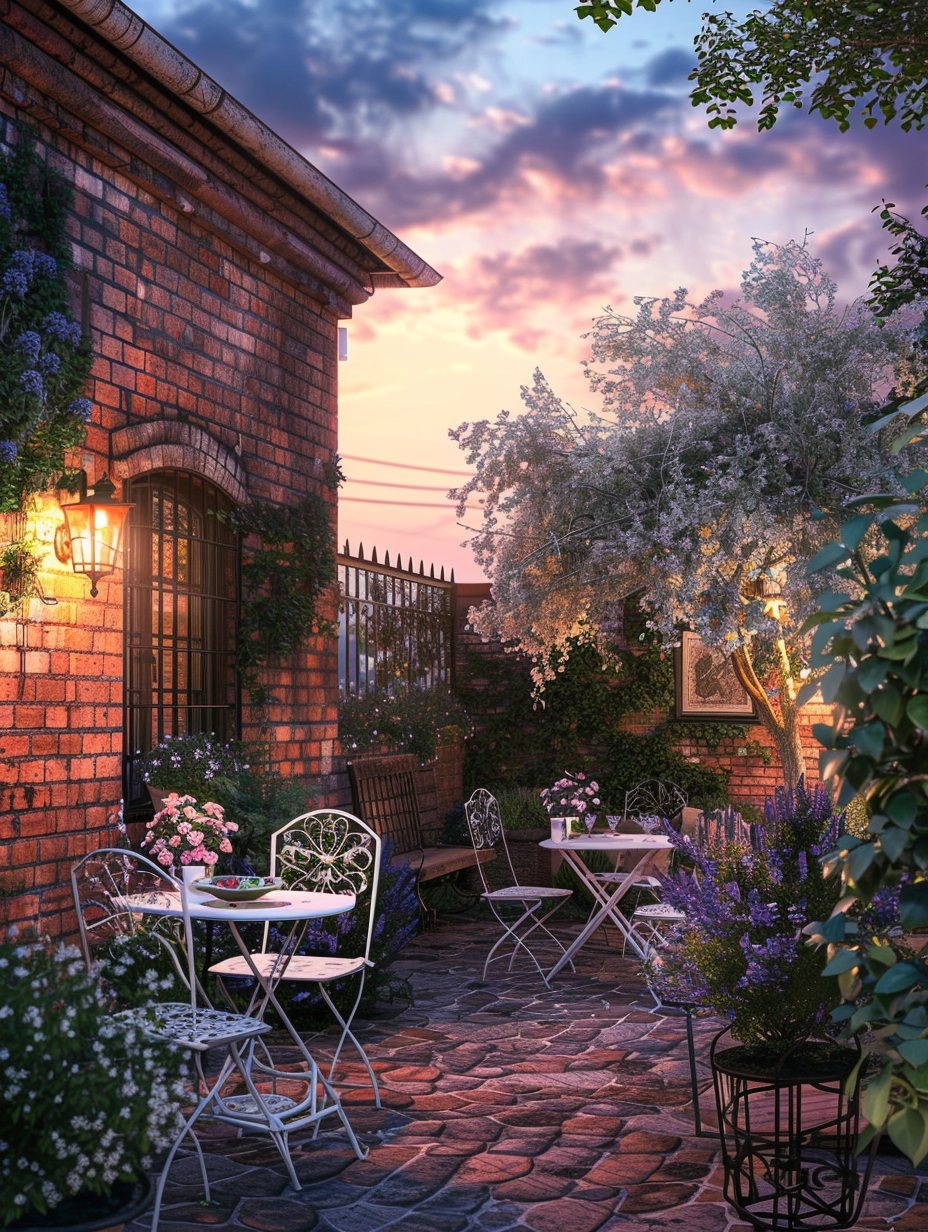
[[384, 793]]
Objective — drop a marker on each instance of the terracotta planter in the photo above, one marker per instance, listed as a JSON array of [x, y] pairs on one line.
[[158, 797]]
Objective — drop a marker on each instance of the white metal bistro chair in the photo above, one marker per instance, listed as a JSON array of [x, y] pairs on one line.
[[333, 852], [104, 883], [486, 832]]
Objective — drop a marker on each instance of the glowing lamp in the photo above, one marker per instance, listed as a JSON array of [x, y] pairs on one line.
[[91, 536]]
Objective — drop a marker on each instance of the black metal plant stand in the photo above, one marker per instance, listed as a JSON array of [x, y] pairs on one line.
[[789, 1134]]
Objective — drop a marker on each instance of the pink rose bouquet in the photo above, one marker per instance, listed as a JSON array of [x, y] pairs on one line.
[[570, 796], [183, 834]]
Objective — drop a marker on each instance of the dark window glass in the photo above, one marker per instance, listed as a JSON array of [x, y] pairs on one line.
[[180, 616]]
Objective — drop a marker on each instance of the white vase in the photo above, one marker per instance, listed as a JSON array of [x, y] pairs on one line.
[[561, 828], [189, 874]]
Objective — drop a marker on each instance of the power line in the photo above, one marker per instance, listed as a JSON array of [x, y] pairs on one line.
[[361, 500], [411, 487], [406, 466]]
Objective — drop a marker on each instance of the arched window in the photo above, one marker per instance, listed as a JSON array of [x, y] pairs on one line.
[[181, 608]]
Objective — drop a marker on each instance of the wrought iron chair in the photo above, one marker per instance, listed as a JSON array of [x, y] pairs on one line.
[[655, 797], [331, 852], [652, 798], [486, 832], [102, 883]]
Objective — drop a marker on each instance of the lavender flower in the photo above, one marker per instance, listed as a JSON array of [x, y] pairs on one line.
[[50, 363], [29, 344], [8, 451], [33, 383], [81, 407], [57, 325]]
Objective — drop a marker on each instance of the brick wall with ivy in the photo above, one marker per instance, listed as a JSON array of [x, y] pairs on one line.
[[205, 360], [617, 723]]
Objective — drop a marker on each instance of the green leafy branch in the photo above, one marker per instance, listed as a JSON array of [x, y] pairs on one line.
[[285, 573]]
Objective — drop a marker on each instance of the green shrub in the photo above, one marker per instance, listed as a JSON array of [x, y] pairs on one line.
[[521, 809], [86, 1099], [234, 774], [415, 721]]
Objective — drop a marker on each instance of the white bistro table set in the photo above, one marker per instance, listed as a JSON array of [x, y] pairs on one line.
[[608, 890]]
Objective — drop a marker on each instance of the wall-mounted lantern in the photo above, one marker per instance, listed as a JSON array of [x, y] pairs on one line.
[[91, 536]]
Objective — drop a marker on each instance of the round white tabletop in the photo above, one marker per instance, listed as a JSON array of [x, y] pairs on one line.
[[610, 842], [278, 905]]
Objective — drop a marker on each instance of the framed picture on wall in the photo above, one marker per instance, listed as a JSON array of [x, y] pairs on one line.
[[706, 686]]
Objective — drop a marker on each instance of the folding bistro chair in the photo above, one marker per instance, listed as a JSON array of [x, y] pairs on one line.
[[332, 852], [102, 883], [652, 798], [486, 832]]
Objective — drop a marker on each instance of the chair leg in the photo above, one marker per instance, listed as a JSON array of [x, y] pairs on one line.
[[347, 1033], [205, 1101]]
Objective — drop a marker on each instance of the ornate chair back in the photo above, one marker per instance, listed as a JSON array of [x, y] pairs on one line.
[[102, 882], [655, 797], [486, 830], [330, 852]]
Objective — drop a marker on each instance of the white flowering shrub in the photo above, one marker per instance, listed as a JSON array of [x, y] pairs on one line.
[[728, 437], [84, 1099]]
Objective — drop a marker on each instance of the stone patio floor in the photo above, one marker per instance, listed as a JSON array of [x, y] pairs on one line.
[[505, 1106]]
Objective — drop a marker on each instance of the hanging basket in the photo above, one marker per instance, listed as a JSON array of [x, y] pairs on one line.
[[789, 1135]]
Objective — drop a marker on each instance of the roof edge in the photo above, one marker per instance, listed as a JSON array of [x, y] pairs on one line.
[[135, 38]]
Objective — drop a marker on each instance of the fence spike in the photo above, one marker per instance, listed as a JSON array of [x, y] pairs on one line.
[[442, 573], [452, 575], [386, 559], [432, 574], [411, 567], [360, 551], [422, 568], [374, 556], [347, 549]]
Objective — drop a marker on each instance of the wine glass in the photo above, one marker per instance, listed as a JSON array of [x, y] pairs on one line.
[[612, 821], [589, 820], [650, 822]]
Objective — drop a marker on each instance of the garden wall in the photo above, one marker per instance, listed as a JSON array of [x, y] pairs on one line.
[[751, 779]]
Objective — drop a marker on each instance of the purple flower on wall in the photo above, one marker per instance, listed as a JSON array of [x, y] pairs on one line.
[[29, 344], [57, 325], [33, 383], [8, 451], [82, 407], [4, 204]]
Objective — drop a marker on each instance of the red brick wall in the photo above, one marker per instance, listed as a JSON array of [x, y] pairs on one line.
[[204, 360], [750, 780]]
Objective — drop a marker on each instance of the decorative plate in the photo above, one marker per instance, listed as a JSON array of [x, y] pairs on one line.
[[238, 889]]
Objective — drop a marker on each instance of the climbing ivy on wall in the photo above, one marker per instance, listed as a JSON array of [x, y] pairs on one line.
[[577, 724], [288, 561], [44, 361]]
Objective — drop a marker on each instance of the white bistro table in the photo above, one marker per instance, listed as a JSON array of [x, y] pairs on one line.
[[276, 1113], [608, 894]]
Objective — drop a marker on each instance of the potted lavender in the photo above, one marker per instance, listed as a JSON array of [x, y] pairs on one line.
[[742, 953]]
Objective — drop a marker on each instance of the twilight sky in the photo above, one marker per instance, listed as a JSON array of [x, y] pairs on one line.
[[546, 170]]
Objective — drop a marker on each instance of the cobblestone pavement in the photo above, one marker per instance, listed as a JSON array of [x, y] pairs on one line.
[[505, 1106]]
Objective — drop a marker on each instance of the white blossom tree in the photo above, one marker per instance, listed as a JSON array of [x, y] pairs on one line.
[[728, 439]]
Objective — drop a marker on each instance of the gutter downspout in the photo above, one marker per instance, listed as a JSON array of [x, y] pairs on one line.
[[125, 30]]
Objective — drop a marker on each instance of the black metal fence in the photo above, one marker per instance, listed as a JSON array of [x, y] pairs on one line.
[[396, 626]]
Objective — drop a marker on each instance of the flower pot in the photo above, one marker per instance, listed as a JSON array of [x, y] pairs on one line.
[[158, 797], [789, 1134], [87, 1212]]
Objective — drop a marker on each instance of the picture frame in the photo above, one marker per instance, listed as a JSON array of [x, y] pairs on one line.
[[706, 687]]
